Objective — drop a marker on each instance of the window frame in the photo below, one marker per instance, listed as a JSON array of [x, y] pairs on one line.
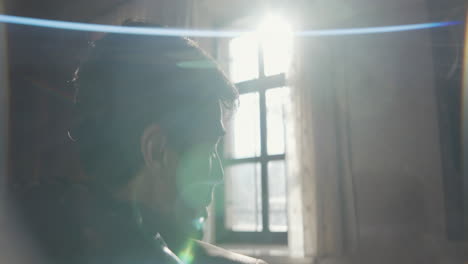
[[222, 235]]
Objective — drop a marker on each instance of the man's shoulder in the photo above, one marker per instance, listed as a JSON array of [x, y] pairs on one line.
[[209, 254]]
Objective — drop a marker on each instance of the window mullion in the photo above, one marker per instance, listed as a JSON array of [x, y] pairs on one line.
[[263, 144], [261, 65], [264, 168]]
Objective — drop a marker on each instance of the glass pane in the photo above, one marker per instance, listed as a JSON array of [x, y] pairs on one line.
[[277, 193], [243, 131], [277, 52], [276, 100], [243, 196], [243, 53]]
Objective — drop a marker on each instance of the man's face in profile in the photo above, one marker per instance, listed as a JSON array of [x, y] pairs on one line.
[[199, 169], [190, 170]]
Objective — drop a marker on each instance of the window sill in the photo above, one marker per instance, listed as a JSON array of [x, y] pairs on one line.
[[272, 254], [255, 250]]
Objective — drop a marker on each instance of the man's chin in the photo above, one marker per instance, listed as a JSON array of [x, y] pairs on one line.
[[178, 238], [192, 223], [176, 228], [179, 232], [202, 215]]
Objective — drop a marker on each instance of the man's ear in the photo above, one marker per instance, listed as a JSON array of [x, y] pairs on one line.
[[153, 144]]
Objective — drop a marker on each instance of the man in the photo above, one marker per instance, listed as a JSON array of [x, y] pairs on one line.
[[149, 117]]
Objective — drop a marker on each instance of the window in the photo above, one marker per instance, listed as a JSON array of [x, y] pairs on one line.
[[254, 196]]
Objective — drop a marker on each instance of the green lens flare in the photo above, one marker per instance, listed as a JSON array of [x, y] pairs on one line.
[[198, 223], [186, 255]]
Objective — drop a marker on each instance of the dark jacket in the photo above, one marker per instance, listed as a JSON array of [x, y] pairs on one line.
[[73, 224]]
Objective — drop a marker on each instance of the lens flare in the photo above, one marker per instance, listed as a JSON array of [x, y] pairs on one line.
[[57, 24], [198, 223], [374, 30], [186, 255]]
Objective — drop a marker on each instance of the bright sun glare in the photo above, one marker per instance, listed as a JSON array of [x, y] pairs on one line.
[[276, 37], [273, 25]]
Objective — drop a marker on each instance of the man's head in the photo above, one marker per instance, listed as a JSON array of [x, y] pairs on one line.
[[150, 112]]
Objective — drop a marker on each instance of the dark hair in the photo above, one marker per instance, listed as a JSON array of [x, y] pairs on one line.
[[130, 81]]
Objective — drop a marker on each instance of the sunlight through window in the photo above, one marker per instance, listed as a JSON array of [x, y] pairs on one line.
[[243, 58], [255, 182], [243, 135], [276, 38]]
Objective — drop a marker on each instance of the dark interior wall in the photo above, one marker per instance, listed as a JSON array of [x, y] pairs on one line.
[[397, 148], [447, 47], [394, 143], [387, 98], [41, 62], [82, 11]]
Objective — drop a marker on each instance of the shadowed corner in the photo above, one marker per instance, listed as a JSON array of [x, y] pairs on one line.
[[465, 129], [16, 247]]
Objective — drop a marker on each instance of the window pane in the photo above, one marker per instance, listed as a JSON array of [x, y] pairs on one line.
[[243, 53], [243, 196], [277, 52], [277, 196], [243, 132], [275, 104]]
